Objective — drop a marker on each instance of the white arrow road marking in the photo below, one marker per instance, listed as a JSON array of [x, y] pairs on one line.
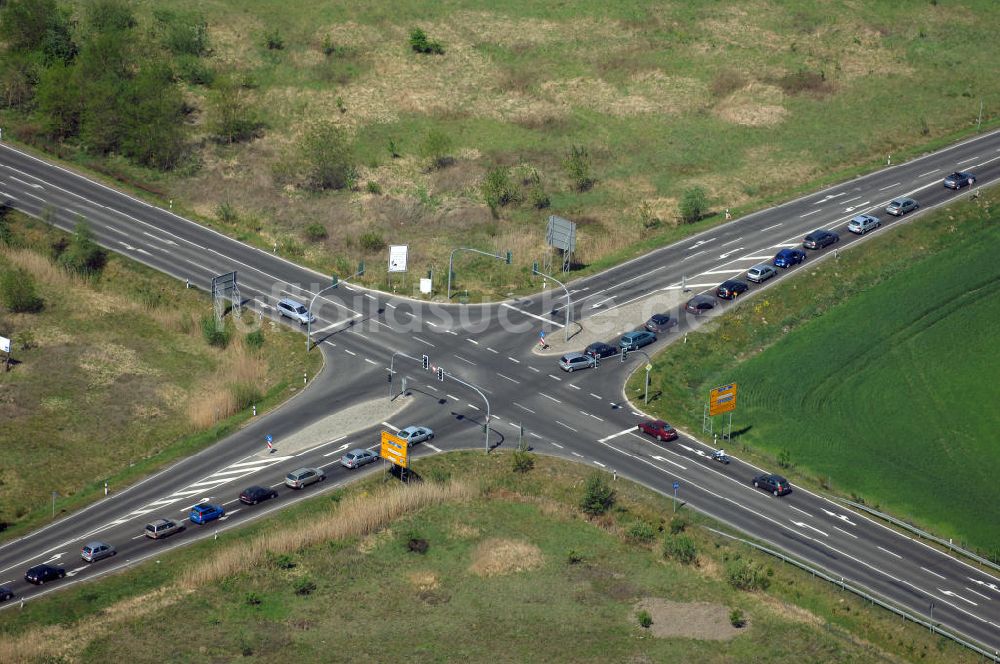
[[991, 586], [828, 197], [76, 571], [730, 253], [659, 458], [601, 303], [801, 524], [126, 245], [615, 435], [842, 517], [55, 557], [699, 243], [336, 451], [855, 207], [957, 596]]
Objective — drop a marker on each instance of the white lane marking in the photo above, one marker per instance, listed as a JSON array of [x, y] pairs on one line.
[[828, 197], [929, 172], [842, 517], [845, 532], [693, 255], [159, 239], [596, 396], [615, 435], [556, 444], [393, 306], [389, 426], [492, 351], [802, 511], [27, 184], [851, 199], [139, 536], [555, 378], [769, 228], [889, 552], [672, 463], [465, 360], [950, 593], [336, 451], [371, 297], [802, 524], [730, 253], [516, 382], [600, 302], [852, 208], [567, 426], [534, 369], [371, 361], [726, 244], [432, 388], [637, 414], [786, 245], [453, 398], [975, 593], [599, 419], [548, 397], [532, 433], [471, 406], [472, 341], [700, 242], [528, 313], [722, 271], [803, 216], [513, 360], [924, 568], [423, 341], [572, 386], [991, 586], [969, 159], [577, 454], [890, 186], [596, 462], [452, 332], [436, 449], [523, 407], [260, 462], [350, 352]]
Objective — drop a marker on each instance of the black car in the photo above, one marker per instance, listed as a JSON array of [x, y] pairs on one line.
[[731, 289], [600, 349], [257, 494], [819, 239], [959, 179], [700, 304], [39, 574], [6, 593], [776, 484], [660, 323]]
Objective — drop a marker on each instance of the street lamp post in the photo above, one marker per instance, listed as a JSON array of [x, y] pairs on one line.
[[649, 367], [569, 302], [485, 400], [451, 261], [335, 282]]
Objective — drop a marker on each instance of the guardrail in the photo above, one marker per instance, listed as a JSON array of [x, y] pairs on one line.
[[934, 629], [917, 531]]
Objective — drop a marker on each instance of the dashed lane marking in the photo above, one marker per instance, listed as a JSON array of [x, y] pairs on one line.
[[845, 532], [453, 398], [573, 386], [598, 463], [523, 407], [516, 382], [472, 341], [555, 378], [768, 228], [534, 369], [599, 398], [548, 397], [803, 216], [423, 341], [465, 360], [513, 360], [890, 552], [389, 426], [924, 568], [890, 186]]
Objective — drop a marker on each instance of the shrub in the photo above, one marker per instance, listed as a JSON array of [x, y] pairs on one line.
[[254, 340], [215, 334], [304, 586], [253, 599], [290, 247], [437, 147], [744, 574], [329, 48], [274, 40], [315, 232], [647, 217], [25, 340], [573, 557], [645, 620], [737, 619], [245, 394], [417, 545], [183, 34], [373, 187], [498, 189], [577, 165], [328, 157], [598, 496], [785, 458], [538, 198], [421, 44], [694, 205], [194, 70], [680, 548], [642, 531], [523, 461], [371, 241], [17, 291], [678, 525], [81, 254], [393, 149], [282, 561], [227, 213]]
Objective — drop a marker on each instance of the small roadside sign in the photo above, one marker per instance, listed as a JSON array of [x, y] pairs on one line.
[[677, 485], [5, 344], [649, 367]]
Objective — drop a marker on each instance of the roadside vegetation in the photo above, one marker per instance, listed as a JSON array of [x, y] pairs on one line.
[[864, 375], [479, 562], [328, 132], [115, 372]]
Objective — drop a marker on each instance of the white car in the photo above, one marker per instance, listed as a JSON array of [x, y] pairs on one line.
[[414, 435]]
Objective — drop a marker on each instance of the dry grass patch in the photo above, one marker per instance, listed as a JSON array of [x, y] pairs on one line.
[[756, 105], [689, 620], [423, 580], [107, 363], [464, 531], [496, 557], [789, 611]]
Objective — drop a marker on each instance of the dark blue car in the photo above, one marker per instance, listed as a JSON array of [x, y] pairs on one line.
[[206, 512], [788, 257]]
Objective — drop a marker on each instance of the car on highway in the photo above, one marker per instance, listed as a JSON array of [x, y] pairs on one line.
[[600, 349], [256, 494], [660, 323], [94, 551], [863, 223], [820, 238], [900, 206], [303, 477], [161, 528], [414, 435], [295, 310], [636, 340], [788, 258], [570, 362], [202, 513], [6, 593], [775, 484], [658, 429], [959, 179], [760, 273], [358, 458], [40, 574], [700, 304], [730, 289]]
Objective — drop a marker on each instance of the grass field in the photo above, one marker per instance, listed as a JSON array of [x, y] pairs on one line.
[[751, 100], [871, 374], [117, 379], [513, 572]]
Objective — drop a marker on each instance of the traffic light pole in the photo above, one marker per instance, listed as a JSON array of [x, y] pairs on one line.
[[392, 363], [649, 367], [485, 400], [569, 302], [451, 261], [336, 282]]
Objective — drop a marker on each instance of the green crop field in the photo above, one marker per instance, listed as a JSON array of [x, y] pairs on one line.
[[875, 374], [750, 100], [507, 569]]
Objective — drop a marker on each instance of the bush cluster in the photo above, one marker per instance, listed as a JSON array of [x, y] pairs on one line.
[[680, 548], [420, 43], [598, 496], [744, 574], [17, 292]]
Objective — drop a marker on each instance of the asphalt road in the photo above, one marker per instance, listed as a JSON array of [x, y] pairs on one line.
[[582, 416]]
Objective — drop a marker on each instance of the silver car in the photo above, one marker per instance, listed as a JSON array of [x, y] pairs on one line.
[[572, 361], [414, 435], [762, 272], [863, 223], [295, 310], [303, 477], [95, 551], [357, 458], [900, 206]]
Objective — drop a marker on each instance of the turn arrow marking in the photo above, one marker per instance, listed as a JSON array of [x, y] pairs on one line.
[[842, 517], [800, 524], [730, 253], [956, 595], [855, 207]]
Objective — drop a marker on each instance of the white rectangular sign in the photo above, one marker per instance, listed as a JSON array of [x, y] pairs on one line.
[[5, 344], [397, 257], [425, 286]]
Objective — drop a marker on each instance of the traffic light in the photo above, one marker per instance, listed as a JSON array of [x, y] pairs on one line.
[[334, 281], [624, 354], [425, 362], [440, 373], [534, 267], [361, 269], [510, 257]]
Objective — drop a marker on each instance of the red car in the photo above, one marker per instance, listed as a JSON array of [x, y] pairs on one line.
[[658, 429]]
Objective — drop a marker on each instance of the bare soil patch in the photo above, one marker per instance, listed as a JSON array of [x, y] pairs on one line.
[[495, 557], [692, 620]]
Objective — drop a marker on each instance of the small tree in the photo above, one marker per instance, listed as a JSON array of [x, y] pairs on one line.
[[215, 334], [598, 496], [498, 188], [232, 118], [744, 574], [645, 620], [680, 548], [81, 254], [273, 40], [694, 205], [328, 156], [437, 147], [737, 619], [577, 165], [17, 291], [315, 232], [523, 461]]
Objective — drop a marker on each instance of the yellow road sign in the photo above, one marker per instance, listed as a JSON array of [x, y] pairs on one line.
[[395, 449], [722, 399]]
